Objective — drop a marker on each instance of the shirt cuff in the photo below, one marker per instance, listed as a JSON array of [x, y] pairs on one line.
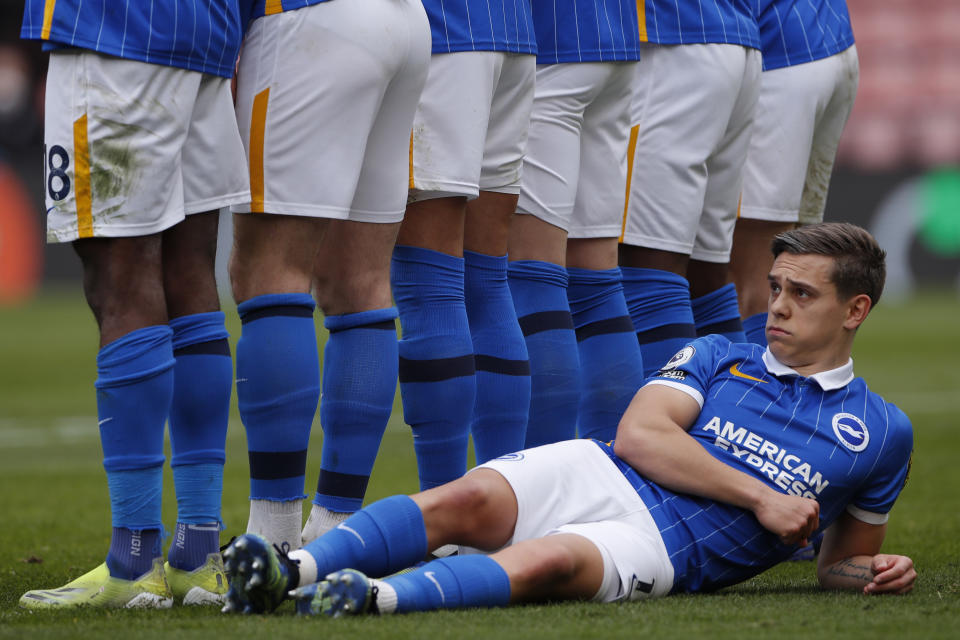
[[690, 391], [867, 516]]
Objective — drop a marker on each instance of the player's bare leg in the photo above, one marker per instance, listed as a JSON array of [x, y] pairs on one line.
[[273, 254], [611, 362], [123, 283], [487, 228], [437, 373], [644, 258], [352, 287], [592, 253], [436, 224], [199, 412], [557, 567], [534, 239], [189, 255], [278, 373], [706, 277]]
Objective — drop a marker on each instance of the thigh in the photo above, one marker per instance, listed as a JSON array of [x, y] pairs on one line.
[[381, 193], [600, 197], [844, 76], [309, 88], [682, 101], [114, 134], [725, 167], [563, 483], [506, 140], [450, 124]]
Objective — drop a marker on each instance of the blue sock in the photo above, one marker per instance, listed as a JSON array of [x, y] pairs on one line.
[[659, 304], [755, 328], [503, 369], [718, 312], [192, 543], [450, 583], [359, 382], [611, 366], [134, 387], [384, 537], [539, 292], [437, 381], [278, 387], [202, 383], [132, 552]]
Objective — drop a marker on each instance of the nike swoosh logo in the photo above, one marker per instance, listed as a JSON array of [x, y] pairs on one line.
[[432, 577], [353, 531], [104, 421], [740, 374]]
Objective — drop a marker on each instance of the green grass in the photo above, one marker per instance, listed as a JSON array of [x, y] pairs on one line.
[[54, 514]]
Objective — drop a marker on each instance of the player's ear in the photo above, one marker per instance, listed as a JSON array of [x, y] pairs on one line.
[[857, 308]]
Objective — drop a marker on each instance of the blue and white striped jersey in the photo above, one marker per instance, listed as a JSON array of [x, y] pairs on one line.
[[481, 25], [797, 31], [270, 7], [585, 31], [826, 437], [200, 35], [699, 22]]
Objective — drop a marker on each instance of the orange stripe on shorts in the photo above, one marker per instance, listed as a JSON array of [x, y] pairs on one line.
[[631, 148], [258, 124], [81, 176]]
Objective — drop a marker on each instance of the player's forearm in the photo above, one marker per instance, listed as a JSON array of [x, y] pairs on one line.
[[663, 452], [853, 573]]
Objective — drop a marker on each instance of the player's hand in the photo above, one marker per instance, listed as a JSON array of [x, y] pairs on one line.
[[792, 518], [891, 574]]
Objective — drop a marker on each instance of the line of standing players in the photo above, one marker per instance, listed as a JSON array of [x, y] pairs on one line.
[[552, 197]]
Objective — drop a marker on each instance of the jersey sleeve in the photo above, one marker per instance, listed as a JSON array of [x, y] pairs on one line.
[[691, 369], [889, 475]]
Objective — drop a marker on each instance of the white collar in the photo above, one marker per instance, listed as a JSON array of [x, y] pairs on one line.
[[828, 380]]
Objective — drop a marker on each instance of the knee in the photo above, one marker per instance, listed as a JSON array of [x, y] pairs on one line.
[[338, 293], [478, 510]]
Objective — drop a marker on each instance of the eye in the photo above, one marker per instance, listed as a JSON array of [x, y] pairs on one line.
[[803, 293], [774, 287]]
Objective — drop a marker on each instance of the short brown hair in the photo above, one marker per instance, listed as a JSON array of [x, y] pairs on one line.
[[860, 265]]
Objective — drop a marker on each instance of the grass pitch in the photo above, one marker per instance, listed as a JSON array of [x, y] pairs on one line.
[[54, 520]]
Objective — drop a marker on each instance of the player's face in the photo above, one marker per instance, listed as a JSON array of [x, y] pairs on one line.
[[808, 326]]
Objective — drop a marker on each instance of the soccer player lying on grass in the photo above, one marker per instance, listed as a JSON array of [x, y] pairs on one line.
[[726, 460]]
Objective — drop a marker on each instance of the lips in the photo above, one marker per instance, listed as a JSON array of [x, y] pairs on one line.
[[777, 331]]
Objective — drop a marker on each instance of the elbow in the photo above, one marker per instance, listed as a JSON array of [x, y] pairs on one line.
[[630, 448]]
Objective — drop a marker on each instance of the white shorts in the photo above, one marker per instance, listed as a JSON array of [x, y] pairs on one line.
[[325, 100], [131, 147], [800, 116], [470, 130], [693, 107], [574, 487], [575, 170]]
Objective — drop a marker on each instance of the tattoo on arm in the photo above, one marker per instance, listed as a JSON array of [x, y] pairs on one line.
[[850, 569]]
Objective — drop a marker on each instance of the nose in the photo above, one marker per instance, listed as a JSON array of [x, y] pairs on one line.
[[779, 306]]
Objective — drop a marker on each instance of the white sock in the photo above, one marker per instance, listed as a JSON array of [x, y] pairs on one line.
[[307, 564], [386, 597], [320, 521], [278, 522]]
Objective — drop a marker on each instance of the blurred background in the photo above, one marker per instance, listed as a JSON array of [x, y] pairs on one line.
[[897, 173]]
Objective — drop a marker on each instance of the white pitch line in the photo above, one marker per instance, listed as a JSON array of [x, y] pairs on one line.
[[67, 430]]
